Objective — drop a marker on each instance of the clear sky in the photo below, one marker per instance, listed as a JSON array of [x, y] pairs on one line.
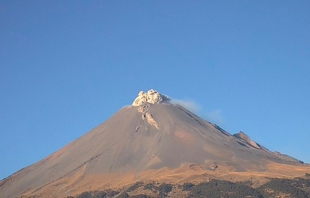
[[67, 66]]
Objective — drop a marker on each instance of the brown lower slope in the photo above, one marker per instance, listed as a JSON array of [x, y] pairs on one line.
[[76, 184], [161, 142]]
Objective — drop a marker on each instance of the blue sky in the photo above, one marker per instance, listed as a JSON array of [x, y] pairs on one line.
[[67, 66]]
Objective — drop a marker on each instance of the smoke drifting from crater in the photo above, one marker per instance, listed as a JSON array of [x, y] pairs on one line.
[[215, 116], [188, 104]]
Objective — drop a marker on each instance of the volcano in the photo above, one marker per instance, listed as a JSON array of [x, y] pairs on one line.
[[149, 140]]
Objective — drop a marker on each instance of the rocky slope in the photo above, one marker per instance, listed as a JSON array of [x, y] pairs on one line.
[[155, 141]]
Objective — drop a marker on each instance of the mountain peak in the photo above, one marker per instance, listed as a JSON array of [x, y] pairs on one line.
[[151, 96], [151, 140]]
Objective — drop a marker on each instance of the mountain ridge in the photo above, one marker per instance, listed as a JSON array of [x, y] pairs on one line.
[[149, 141]]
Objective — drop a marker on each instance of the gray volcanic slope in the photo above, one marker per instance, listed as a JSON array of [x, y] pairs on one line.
[[135, 139]]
